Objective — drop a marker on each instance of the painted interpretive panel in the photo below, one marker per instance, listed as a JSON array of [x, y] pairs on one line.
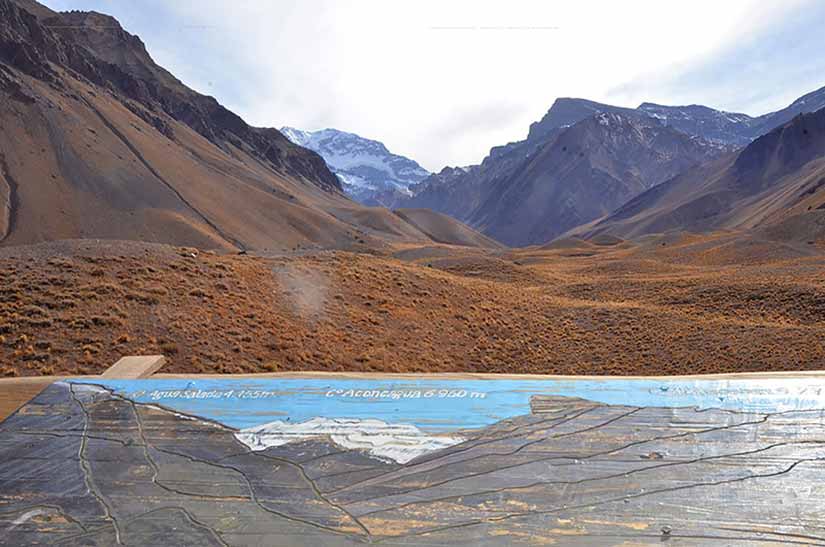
[[430, 461]]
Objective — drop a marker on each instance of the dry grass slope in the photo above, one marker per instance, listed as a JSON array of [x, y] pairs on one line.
[[666, 305]]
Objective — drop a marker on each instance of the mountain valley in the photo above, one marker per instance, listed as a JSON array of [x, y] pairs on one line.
[[98, 141], [138, 216]]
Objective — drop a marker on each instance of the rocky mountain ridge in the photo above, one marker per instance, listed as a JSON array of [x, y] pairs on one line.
[[529, 192], [776, 184], [477, 194]]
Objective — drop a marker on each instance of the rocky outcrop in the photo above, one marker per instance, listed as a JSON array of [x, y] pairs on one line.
[[529, 192]]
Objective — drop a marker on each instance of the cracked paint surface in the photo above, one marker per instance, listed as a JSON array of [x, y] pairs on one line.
[[88, 465]]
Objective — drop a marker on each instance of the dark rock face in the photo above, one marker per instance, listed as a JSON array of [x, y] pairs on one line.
[[717, 126], [529, 192], [479, 195], [785, 148], [453, 191], [770, 181], [566, 112], [85, 467], [95, 47], [811, 102]]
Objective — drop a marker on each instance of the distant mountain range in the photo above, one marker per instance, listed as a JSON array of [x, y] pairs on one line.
[[529, 191], [98, 141], [586, 171], [776, 183], [369, 173]]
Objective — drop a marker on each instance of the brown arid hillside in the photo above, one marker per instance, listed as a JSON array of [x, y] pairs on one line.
[[98, 141], [443, 229], [675, 304], [776, 183]]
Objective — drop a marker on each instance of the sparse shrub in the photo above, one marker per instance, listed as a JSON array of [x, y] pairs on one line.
[[11, 296], [90, 348], [56, 281], [169, 348], [143, 298], [64, 304], [80, 323], [33, 311], [61, 263], [102, 288], [158, 290]]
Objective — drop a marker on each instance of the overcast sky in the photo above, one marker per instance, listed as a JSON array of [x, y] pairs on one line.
[[442, 81]]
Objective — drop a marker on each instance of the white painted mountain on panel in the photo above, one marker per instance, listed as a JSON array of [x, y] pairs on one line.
[[397, 442]]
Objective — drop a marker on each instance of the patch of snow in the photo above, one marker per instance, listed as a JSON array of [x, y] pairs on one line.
[[295, 135], [82, 387]]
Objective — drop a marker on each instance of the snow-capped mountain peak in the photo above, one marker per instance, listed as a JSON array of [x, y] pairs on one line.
[[368, 171]]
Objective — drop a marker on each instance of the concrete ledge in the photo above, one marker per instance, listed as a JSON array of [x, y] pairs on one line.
[[495, 376], [134, 367], [436, 376]]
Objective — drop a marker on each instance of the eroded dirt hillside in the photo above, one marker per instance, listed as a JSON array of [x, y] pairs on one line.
[[684, 304]]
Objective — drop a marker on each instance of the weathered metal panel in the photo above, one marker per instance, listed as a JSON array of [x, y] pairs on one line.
[[404, 461]]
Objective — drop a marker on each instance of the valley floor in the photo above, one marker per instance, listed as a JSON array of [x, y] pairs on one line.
[[663, 305]]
